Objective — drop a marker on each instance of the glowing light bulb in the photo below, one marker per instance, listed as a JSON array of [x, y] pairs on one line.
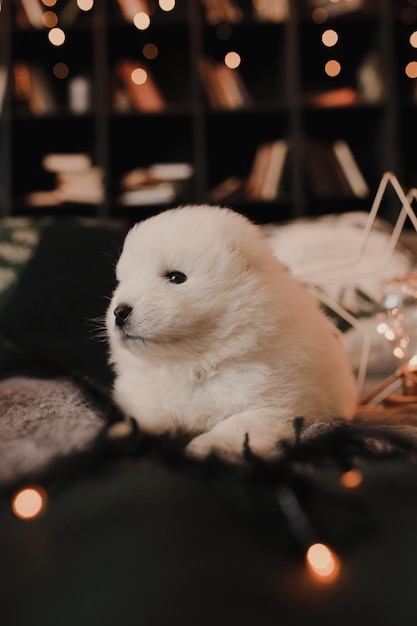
[[396, 301], [60, 70], [232, 60], [56, 36], [85, 5], [141, 20], [167, 5], [29, 502], [329, 38], [49, 19], [319, 15], [322, 562], [223, 31], [139, 76], [332, 68], [411, 69], [352, 478], [150, 51], [413, 39]]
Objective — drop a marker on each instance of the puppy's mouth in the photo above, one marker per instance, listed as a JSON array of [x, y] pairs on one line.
[[124, 334]]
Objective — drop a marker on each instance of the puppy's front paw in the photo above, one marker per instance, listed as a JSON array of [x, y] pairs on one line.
[[205, 445]]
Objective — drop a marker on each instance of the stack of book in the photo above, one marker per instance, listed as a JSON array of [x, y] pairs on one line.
[[77, 181], [160, 183]]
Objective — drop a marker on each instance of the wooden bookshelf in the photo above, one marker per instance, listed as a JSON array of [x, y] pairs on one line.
[[215, 123]]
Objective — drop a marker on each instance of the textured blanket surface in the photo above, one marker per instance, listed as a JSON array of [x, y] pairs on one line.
[[42, 420]]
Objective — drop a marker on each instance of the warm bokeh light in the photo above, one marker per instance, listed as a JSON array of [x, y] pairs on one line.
[[60, 70], [323, 564], [150, 51], [232, 60], [332, 68], [330, 38], [167, 5], [29, 502], [411, 69], [319, 15], [141, 20], [223, 31], [139, 76], [352, 478], [49, 3], [413, 39], [398, 352], [85, 5], [49, 19], [56, 36]]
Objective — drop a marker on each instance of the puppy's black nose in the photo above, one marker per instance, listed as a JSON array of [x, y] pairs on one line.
[[121, 313]]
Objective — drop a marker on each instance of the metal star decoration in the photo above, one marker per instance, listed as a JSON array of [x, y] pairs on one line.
[[354, 267]]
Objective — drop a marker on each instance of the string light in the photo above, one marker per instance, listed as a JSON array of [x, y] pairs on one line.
[[141, 20], [49, 19], [60, 70], [413, 39], [85, 5], [56, 36], [139, 76], [29, 502], [319, 15], [322, 563], [411, 69], [232, 60], [150, 51], [332, 68], [167, 5], [330, 38], [351, 479]]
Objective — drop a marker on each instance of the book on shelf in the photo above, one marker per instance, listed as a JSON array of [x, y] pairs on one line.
[[350, 168], [224, 86], [369, 78], [336, 8], [152, 193], [30, 13], [332, 170], [143, 97], [129, 8], [272, 10], [79, 95], [3, 85], [266, 175], [227, 189], [217, 11], [340, 97], [33, 88], [66, 162]]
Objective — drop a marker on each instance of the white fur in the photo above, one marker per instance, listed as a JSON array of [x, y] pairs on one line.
[[238, 348]]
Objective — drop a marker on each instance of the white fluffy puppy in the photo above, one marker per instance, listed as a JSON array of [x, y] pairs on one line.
[[210, 336]]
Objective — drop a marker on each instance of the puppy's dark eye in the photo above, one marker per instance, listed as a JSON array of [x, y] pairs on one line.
[[176, 277]]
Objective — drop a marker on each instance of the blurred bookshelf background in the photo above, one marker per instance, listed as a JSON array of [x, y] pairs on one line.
[[280, 108]]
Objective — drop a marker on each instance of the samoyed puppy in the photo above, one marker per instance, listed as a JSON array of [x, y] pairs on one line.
[[209, 336]]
